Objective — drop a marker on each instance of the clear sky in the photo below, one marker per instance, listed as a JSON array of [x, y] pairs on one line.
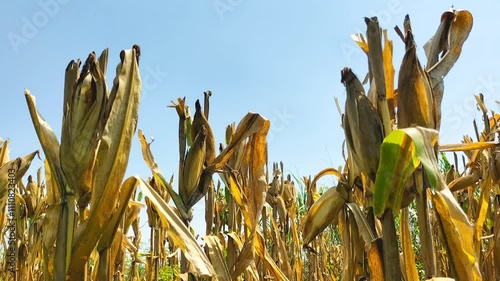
[[278, 58]]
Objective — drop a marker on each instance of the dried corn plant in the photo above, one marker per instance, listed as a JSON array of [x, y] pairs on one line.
[[86, 199], [392, 144], [393, 212]]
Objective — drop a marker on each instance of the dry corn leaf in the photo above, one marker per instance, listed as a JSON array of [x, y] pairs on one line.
[[10, 174], [458, 233], [146, 153], [179, 233], [246, 257], [363, 227], [468, 146], [48, 141], [249, 125], [112, 156], [281, 247], [479, 220], [50, 221], [126, 191], [260, 249], [445, 47], [216, 254]]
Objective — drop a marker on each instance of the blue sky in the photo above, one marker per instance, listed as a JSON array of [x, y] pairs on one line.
[[278, 58]]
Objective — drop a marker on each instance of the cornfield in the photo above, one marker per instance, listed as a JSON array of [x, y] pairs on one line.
[[399, 210]]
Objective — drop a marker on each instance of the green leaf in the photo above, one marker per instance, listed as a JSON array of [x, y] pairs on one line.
[[400, 154]]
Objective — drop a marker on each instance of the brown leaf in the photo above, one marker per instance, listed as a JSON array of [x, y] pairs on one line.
[[445, 47]]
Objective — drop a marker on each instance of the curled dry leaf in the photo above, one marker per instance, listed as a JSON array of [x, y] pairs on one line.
[[445, 47]]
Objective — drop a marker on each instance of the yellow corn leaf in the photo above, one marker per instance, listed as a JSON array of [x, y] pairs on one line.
[[483, 209], [360, 40], [216, 254], [256, 190], [468, 146], [179, 233], [458, 236], [409, 267], [389, 75], [237, 191]]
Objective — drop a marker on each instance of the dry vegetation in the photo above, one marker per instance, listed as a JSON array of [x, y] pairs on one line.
[[399, 210]]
